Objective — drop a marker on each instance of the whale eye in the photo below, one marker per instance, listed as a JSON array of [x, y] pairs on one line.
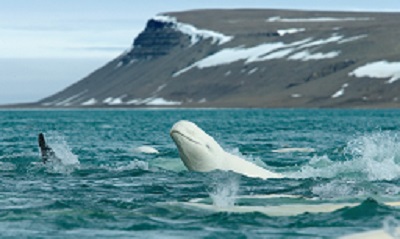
[[208, 146]]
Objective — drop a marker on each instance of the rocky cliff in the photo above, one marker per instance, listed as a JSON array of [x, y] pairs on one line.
[[250, 58]]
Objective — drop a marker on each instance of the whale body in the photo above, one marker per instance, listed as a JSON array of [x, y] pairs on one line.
[[46, 152], [201, 153]]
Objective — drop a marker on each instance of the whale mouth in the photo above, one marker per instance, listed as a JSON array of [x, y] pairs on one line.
[[184, 136]]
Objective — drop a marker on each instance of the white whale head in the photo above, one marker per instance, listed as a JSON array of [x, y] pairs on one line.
[[198, 150]]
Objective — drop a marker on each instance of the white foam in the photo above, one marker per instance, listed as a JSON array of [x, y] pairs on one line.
[[293, 150], [379, 69], [194, 33], [225, 190], [372, 157], [390, 230], [4, 166], [124, 166], [146, 150], [317, 19]]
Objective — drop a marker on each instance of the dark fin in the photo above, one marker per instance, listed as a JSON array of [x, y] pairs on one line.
[[45, 150], [41, 141]]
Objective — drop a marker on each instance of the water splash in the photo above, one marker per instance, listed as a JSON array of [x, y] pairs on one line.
[[7, 166], [224, 189], [373, 157], [127, 166], [376, 155], [66, 161], [336, 188], [392, 226]]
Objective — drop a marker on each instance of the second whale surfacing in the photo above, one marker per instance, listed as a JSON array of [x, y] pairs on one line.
[[201, 153]]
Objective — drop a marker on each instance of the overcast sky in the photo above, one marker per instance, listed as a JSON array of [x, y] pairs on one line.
[[46, 45]]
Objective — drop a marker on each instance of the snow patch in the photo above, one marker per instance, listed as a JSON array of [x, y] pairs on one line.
[[351, 39], [194, 33], [162, 101], [161, 87], [290, 31], [296, 95], [268, 51], [252, 71], [379, 69], [306, 55], [332, 39], [114, 101], [230, 55], [92, 101], [317, 19], [107, 100], [204, 100], [340, 92]]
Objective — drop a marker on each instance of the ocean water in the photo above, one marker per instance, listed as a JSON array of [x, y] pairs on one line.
[[106, 186]]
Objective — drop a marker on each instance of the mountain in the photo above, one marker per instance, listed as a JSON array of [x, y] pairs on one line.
[[250, 58]]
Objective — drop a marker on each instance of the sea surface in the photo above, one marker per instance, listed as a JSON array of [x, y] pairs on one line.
[[107, 186]]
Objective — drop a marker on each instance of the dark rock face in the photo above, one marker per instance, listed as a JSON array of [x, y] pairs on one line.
[[249, 58], [329, 69], [158, 39]]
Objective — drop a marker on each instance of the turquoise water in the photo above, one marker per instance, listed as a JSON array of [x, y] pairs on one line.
[[104, 187]]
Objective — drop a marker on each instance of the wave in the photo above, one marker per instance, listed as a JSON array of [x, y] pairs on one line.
[[374, 156]]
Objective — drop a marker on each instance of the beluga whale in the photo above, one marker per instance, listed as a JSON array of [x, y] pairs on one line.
[[201, 153]]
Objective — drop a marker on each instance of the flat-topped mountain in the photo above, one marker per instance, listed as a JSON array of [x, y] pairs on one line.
[[250, 58]]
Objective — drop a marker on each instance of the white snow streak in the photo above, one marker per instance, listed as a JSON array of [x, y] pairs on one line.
[[194, 33], [68, 101], [162, 101], [290, 31], [269, 51], [340, 92], [307, 55], [153, 101]]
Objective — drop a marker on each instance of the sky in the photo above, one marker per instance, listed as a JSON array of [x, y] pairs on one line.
[[47, 45]]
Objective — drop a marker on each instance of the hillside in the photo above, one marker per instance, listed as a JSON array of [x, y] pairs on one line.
[[250, 58]]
